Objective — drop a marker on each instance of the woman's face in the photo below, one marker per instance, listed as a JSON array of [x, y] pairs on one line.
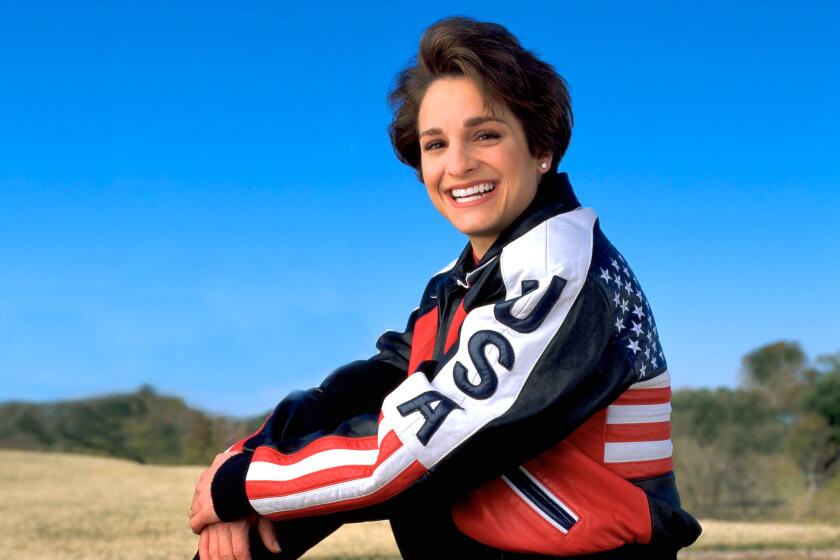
[[476, 166]]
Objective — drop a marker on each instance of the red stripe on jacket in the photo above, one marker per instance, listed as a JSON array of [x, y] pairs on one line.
[[455, 327], [423, 339], [407, 477], [319, 478], [644, 396], [318, 446], [653, 431], [642, 469]]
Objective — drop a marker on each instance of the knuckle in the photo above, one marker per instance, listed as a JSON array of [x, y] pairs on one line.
[[240, 551]]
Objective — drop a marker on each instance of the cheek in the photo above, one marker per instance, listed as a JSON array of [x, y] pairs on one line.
[[431, 180], [427, 169], [529, 177], [435, 198]]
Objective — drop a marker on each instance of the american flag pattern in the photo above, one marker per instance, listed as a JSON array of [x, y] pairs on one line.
[[637, 426], [634, 327]]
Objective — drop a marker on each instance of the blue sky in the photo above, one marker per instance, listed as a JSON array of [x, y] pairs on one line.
[[202, 195]]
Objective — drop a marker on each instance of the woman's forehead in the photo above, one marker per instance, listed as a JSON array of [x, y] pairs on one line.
[[458, 101]]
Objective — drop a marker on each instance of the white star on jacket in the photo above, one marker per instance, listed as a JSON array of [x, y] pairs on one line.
[[643, 349]]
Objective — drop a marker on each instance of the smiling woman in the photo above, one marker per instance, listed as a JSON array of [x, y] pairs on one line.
[[524, 412]]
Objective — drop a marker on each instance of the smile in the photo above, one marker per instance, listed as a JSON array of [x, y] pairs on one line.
[[472, 193]]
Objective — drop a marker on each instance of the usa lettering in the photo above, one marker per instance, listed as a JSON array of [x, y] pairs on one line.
[[435, 406], [487, 378], [434, 415]]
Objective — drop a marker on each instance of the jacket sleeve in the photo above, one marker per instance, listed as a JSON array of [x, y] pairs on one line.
[[526, 371], [354, 390]]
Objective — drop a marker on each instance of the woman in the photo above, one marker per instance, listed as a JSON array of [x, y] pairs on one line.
[[524, 412]]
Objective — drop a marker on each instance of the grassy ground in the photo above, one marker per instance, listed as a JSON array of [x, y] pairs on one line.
[[72, 507]]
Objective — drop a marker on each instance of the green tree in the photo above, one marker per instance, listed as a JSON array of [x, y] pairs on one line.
[[816, 452], [824, 397], [724, 442], [779, 373], [736, 422], [814, 440]]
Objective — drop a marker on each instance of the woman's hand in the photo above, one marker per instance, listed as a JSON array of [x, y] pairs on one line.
[[230, 540], [202, 512]]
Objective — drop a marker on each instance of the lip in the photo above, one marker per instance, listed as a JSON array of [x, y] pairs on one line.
[[486, 198]]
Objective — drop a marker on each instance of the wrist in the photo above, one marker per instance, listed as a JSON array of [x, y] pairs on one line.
[[227, 490]]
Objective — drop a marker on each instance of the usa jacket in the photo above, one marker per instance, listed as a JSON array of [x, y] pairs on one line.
[[529, 391]]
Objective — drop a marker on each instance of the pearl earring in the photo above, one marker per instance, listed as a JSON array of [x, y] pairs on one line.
[[543, 165]]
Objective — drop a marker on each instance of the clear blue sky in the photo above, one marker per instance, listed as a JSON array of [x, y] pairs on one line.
[[202, 195]]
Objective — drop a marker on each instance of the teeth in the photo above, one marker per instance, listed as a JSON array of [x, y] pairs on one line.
[[472, 192]]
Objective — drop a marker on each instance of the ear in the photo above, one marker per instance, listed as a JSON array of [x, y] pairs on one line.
[[547, 159]]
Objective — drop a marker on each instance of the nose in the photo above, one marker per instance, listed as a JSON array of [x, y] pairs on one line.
[[460, 160]]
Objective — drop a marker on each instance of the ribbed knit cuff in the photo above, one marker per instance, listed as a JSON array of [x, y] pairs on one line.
[[228, 489]]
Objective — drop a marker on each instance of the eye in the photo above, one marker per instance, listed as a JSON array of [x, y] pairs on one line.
[[487, 135], [433, 145]]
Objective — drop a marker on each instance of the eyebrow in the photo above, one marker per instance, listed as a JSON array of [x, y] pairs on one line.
[[469, 123]]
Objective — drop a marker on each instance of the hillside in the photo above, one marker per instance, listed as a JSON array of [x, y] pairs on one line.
[[142, 426]]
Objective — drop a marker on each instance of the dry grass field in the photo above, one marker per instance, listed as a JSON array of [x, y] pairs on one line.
[[73, 507]]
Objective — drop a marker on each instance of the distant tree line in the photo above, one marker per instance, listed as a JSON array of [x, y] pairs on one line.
[[769, 448], [143, 426]]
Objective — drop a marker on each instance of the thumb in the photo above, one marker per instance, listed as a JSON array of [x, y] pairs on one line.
[[266, 530]]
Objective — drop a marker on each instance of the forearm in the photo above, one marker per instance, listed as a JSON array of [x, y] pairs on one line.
[[340, 404]]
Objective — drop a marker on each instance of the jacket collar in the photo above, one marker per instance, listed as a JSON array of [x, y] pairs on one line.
[[554, 196]]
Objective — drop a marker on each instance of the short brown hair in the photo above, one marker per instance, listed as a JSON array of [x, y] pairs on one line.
[[503, 70]]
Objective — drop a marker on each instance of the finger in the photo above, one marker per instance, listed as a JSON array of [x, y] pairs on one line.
[[197, 523], [195, 509], [239, 540], [204, 515], [269, 538], [225, 541], [198, 483], [213, 544], [203, 541]]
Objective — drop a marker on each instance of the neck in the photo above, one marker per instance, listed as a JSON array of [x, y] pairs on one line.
[[480, 245]]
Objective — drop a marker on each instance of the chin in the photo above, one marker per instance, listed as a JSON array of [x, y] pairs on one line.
[[474, 227], [476, 231]]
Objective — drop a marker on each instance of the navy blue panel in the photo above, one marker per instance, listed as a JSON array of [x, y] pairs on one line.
[[540, 499]]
